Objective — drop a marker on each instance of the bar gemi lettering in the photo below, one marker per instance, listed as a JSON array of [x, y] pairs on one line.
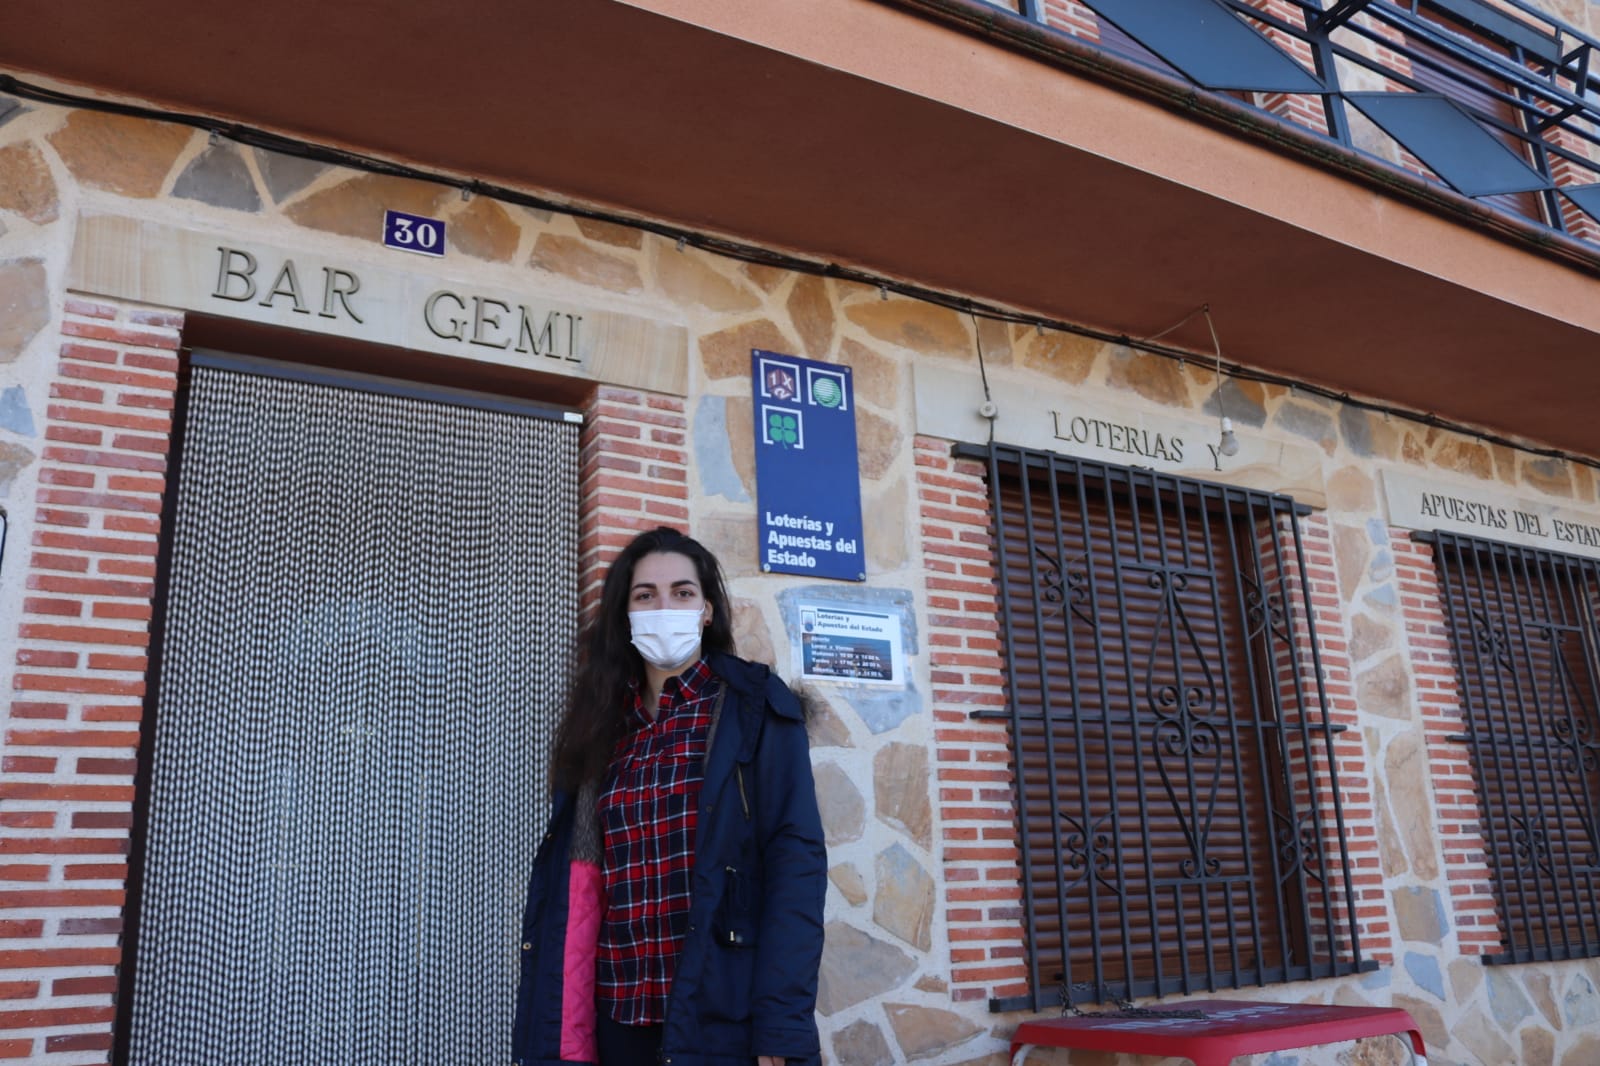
[[808, 479]]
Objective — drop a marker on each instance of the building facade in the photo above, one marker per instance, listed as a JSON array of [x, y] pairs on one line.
[[1233, 510]]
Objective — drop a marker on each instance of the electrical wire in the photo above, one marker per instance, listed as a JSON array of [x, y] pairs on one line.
[[755, 254]]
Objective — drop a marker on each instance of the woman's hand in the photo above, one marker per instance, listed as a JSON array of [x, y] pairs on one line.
[[769, 1060]]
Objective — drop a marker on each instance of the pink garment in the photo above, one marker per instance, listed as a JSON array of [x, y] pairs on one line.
[[585, 907]]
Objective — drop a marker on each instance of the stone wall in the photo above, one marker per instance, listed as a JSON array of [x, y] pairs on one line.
[[923, 912]]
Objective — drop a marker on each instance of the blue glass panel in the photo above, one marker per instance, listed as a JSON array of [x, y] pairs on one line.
[[1452, 144], [1209, 43]]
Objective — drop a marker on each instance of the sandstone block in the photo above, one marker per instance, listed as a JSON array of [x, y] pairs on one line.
[[877, 377], [14, 459], [923, 1032], [1538, 1047], [1406, 771], [713, 455], [689, 277], [824, 726], [484, 229], [726, 353], [1391, 852], [903, 904], [921, 327], [1368, 433], [930, 983], [1424, 970], [884, 527], [1305, 421], [1581, 1005], [1353, 550], [767, 278], [843, 809], [900, 786], [218, 176], [1067, 357], [752, 636], [878, 442], [26, 186], [15, 414], [1385, 689], [1585, 1051], [1243, 401], [355, 207], [1479, 1035], [857, 967], [1507, 1001], [811, 311], [286, 175], [1369, 636], [24, 305], [1465, 977], [1542, 992], [1154, 377], [1464, 456], [610, 233], [861, 1044], [124, 155], [1350, 489], [1419, 913], [571, 257], [1428, 1020], [847, 879], [1548, 475]]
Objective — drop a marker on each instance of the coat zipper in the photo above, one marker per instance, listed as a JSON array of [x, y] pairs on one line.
[[744, 802]]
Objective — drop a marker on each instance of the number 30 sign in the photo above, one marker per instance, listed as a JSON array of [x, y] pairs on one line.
[[413, 233]]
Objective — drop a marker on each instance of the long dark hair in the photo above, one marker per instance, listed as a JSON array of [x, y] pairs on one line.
[[607, 664]]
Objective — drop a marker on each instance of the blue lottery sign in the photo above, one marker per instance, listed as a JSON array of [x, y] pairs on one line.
[[413, 233], [808, 478]]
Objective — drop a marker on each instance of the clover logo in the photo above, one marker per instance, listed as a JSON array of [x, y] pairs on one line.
[[783, 428]]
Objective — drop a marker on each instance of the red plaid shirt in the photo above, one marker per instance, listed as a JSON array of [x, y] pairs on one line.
[[648, 811]]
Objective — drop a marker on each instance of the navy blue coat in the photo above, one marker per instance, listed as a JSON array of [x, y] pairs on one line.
[[746, 982]]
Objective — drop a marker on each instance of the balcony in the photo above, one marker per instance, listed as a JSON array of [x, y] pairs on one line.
[[975, 150]]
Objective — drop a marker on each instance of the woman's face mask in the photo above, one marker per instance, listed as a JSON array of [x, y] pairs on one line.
[[667, 611]]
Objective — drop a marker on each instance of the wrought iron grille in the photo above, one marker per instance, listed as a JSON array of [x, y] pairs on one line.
[[1179, 814], [1523, 623], [366, 625]]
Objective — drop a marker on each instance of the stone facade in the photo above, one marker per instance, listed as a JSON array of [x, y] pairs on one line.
[[924, 910]]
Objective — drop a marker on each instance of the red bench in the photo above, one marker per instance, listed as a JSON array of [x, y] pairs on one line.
[[1228, 1029]]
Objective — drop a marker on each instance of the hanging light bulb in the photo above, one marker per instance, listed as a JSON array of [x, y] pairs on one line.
[[1230, 442]]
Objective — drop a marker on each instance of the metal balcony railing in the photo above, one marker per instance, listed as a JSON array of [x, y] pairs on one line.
[[1494, 99]]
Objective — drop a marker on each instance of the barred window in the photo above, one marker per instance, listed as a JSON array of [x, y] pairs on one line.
[[1179, 812], [1524, 632]]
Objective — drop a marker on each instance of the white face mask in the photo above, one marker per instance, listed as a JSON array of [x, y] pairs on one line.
[[666, 639]]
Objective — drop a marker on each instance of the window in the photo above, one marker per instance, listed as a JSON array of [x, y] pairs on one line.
[[1179, 815], [1523, 626]]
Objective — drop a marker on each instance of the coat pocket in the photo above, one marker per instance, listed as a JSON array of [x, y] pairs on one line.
[[734, 924]]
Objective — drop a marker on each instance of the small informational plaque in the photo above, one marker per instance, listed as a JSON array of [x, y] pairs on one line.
[[846, 644], [413, 233], [808, 476]]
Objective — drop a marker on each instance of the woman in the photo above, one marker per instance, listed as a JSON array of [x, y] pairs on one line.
[[675, 908]]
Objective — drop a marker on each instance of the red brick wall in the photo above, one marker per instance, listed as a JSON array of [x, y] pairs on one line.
[[1355, 800], [1460, 826], [633, 475], [982, 893], [66, 782]]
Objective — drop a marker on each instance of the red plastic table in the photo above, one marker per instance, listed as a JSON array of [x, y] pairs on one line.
[[1228, 1029]]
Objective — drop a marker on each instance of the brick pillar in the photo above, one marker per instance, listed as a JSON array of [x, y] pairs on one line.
[[1433, 668], [982, 873], [72, 733], [633, 475]]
